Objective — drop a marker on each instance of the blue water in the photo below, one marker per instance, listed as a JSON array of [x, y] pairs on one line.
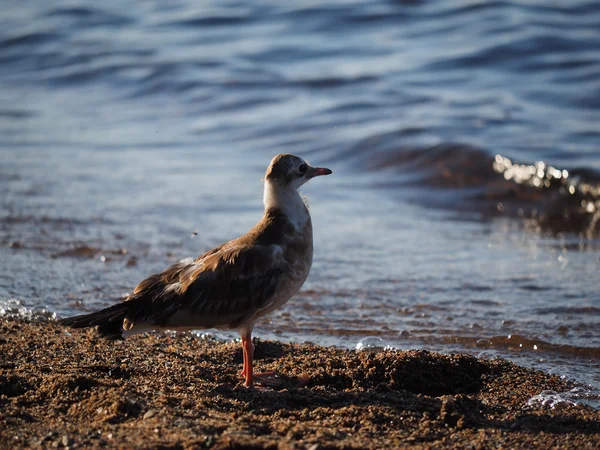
[[126, 126]]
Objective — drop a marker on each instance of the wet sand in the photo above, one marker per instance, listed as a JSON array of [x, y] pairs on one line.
[[69, 388]]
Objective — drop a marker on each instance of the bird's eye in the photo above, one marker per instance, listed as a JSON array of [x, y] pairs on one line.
[[302, 168]]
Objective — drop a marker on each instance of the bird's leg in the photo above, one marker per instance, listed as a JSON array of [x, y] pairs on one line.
[[264, 378], [248, 349], [245, 354]]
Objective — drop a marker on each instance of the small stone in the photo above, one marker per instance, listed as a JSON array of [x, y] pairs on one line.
[[304, 379], [49, 436], [150, 413], [66, 441]]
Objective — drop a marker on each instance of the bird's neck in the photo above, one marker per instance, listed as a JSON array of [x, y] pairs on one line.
[[288, 201]]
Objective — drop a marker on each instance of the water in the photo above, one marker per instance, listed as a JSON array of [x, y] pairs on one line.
[[577, 395], [127, 127]]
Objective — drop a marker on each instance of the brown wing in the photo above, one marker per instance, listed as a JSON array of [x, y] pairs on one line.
[[221, 288]]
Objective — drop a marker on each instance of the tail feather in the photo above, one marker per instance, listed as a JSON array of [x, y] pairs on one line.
[[108, 320]]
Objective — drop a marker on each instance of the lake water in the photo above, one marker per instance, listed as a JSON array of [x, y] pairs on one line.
[[136, 133]]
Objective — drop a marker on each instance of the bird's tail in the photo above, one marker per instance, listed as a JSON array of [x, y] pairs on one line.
[[109, 320]]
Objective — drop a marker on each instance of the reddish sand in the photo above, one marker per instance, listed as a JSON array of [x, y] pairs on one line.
[[68, 388]]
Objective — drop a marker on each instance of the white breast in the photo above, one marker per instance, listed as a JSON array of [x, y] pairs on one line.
[[289, 202], [298, 255]]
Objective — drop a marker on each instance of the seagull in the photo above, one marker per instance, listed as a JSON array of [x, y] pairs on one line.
[[233, 285]]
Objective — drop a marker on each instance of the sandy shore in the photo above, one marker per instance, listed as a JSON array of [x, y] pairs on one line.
[[69, 388]]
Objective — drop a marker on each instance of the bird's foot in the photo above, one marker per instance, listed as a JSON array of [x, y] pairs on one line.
[[266, 379]]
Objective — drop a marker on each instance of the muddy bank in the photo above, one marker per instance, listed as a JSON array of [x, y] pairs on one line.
[[61, 388]]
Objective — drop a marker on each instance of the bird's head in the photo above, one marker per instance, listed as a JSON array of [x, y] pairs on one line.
[[290, 171]]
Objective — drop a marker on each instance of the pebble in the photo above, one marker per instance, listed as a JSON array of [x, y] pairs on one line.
[[150, 413]]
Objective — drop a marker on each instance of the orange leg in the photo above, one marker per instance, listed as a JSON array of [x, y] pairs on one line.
[[245, 354], [248, 349], [247, 372]]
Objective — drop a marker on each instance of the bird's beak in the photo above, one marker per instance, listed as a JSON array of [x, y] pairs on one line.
[[317, 171]]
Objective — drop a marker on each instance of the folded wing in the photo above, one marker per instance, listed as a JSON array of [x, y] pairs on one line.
[[222, 288]]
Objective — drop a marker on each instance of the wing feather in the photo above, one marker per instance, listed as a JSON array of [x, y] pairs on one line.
[[222, 287]]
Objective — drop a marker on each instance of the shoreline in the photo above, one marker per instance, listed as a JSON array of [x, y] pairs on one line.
[[69, 388]]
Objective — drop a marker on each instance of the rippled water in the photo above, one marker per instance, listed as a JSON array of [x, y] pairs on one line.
[[127, 126]]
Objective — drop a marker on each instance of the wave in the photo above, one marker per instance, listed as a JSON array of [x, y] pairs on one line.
[[14, 309], [547, 199], [80, 16]]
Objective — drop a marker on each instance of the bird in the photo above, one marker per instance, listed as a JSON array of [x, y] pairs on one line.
[[233, 285]]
